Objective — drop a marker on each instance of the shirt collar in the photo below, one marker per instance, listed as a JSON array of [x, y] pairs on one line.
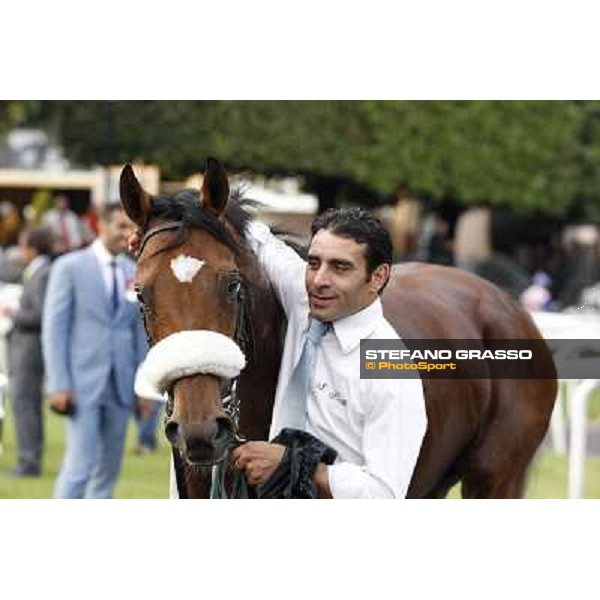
[[104, 256], [353, 328]]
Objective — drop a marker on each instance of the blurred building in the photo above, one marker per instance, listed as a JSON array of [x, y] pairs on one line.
[[85, 188], [27, 148]]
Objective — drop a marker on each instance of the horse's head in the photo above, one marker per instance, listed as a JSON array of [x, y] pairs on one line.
[[190, 290]]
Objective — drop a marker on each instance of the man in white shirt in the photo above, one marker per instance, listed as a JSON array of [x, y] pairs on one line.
[[376, 426]]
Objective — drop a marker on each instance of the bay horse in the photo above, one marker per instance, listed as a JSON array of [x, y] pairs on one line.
[[197, 277]]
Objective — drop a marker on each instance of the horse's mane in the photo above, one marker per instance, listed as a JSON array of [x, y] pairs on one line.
[[185, 207]]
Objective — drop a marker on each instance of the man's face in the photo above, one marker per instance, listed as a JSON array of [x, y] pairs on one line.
[[28, 252], [336, 277], [61, 203], [115, 231]]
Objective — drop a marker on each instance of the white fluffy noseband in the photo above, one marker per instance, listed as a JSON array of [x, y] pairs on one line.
[[188, 353]]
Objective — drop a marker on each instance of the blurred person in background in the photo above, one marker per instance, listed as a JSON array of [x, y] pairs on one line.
[[93, 342], [26, 365], [12, 265], [10, 224], [538, 294], [90, 220], [147, 414], [439, 249], [473, 239], [70, 232]]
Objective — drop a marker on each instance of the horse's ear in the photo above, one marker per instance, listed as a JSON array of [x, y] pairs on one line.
[[136, 202], [215, 187]]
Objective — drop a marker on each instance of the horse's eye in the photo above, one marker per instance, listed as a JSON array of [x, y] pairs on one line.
[[234, 287]]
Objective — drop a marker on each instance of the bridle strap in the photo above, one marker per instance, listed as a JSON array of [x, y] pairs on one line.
[[230, 401], [155, 231]]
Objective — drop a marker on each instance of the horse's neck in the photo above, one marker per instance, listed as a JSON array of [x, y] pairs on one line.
[[258, 382], [265, 313]]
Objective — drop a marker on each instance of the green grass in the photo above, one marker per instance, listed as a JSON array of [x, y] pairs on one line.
[[548, 478], [594, 406], [147, 476]]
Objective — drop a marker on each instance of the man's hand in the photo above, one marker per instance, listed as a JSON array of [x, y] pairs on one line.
[[61, 401], [144, 407], [7, 311], [258, 459], [321, 481], [133, 242]]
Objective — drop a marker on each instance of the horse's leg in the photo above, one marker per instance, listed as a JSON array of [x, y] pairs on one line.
[[441, 490], [484, 478], [496, 466]]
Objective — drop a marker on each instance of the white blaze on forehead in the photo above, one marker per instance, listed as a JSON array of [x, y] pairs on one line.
[[185, 268]]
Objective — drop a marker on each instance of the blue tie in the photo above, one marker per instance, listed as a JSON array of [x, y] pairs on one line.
[[115, 287], [294, 402]]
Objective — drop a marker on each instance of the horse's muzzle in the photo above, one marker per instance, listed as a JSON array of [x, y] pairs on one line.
[[202, 444]]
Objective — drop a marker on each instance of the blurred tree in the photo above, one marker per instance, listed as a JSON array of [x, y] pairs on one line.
[[531, 156], [15, 113]]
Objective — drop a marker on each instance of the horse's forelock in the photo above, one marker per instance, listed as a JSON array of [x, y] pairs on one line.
[[185, 207]]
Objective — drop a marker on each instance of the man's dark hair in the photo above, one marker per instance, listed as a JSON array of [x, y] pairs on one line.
[[40, 238], [106, 212], [361, 226]]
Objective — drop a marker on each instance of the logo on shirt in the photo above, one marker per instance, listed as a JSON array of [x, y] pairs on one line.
[[325, 390]]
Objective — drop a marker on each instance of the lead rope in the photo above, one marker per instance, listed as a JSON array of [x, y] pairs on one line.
[[217, 488], [231, 405]]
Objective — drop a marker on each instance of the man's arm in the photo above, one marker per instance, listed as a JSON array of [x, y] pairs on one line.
[[392, 437], [30, 317], [393, 433], [56, 327], [321, 481], [284, 268]]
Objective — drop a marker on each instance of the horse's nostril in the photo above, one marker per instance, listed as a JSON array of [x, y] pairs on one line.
[[224, 428], [172, 432]]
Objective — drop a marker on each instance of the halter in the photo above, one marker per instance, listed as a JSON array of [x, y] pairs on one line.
[[230, 401], [155, 231]]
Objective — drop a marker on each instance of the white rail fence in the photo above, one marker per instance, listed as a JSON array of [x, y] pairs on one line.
[[571, 409]]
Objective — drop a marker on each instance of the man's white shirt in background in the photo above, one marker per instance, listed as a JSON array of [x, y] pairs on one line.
[[105, 258]]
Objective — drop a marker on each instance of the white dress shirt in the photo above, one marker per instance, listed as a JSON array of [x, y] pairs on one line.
[[105, 258], [376, 426]]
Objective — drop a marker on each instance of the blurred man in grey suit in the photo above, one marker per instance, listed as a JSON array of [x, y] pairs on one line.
[[26, 365]]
